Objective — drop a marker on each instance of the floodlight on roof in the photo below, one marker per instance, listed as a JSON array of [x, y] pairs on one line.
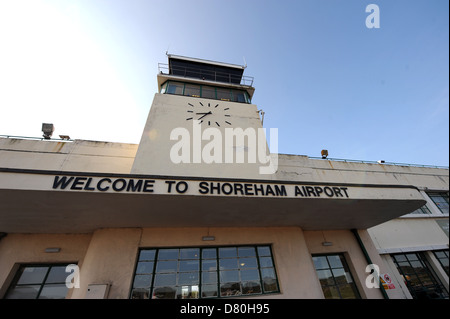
[[47, 129]]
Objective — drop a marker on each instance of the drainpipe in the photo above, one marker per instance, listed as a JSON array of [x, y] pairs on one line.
[[369, 261]]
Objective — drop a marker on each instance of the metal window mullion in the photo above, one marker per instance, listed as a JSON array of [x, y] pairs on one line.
[[200, 275], [218, 272], [154, 273], [43, 282], [332, 275], [259, 269], [274, 269]]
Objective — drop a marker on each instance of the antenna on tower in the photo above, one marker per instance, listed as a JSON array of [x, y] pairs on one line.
[[245, 63]]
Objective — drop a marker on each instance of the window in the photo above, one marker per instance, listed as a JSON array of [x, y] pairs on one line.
[[422, 210], [192, 90], [208, 92], [419, 277], [441, 201], [205, 91], [239, 96], [175, 88], [335, 277], [209, 272], [223, 94], [39, 282], [442, 257]]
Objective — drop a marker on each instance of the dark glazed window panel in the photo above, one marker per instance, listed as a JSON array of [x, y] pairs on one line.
[[419, 277], [165, 279], [145, 267], [334, 277], [246, 251], [442, 257], [167, 266], [248, 263], [189, 265], [32, 275], [168, 254], [264, 251], [39, 282], [208, 92], [175, 88], [228, 252], [24, 292], [209, 272], [53, 291], [147, 255], [209, 253], [228, 263], [142, 281], [190, 253]]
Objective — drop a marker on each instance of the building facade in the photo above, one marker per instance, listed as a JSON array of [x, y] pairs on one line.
[[201, 209]]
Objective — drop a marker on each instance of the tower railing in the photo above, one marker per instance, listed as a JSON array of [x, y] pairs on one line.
[[205, 74]]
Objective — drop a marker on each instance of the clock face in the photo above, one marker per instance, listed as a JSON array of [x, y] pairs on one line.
[[207, 113]]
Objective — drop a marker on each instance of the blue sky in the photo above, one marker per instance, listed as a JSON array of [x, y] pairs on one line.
[[323, 78]]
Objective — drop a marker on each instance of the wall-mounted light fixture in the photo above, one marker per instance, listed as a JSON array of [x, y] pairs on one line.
[[327, 243], [208, 238], [52, 250]]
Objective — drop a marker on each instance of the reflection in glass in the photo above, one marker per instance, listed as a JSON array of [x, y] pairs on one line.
[[165, 279], [228, 252], [53, 291], [209, 291], [145, 267], [164, 293], [230, 289], [24, 292], [142, 281], [229, 275], [228, 263], [166, 266], [32, 275], [251, 287], [188, 278], [168, 254], [204, 272], [248, 263]]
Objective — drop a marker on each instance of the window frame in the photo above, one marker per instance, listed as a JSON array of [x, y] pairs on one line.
[[418, 291], [232, 96], [345, 267], [439, 259], [443, 195], [218, 260], [20, 270]]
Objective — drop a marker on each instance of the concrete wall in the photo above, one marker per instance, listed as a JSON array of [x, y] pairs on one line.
[[303, 168], [78, 156], [108, 256], [17, 249], [170, 112]]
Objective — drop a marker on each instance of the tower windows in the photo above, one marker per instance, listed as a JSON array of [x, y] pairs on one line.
[[205, 91]]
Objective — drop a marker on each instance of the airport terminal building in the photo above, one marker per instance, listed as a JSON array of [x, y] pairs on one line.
[[201, 209]]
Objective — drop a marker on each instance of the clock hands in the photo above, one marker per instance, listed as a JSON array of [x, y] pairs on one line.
[[204, 114]]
